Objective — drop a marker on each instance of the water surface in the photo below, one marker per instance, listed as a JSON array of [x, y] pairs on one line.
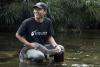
[[81, 50]]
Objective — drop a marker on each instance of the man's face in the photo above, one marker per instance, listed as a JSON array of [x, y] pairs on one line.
[[39, 12]]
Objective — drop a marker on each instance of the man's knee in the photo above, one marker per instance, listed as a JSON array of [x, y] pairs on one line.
[[35, 54], [31, 54]]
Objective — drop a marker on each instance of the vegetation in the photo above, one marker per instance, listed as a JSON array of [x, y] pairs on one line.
[[75, 14], [66, 14]]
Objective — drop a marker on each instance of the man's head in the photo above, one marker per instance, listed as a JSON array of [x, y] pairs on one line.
[[40, 9], [41, 5]]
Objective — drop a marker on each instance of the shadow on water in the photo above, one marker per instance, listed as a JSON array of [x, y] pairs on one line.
[[82, 49]]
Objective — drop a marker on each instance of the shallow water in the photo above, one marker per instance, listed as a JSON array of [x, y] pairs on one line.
[[81, 50], [17, 64]]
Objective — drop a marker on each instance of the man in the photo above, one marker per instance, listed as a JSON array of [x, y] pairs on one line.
[[35, 32]]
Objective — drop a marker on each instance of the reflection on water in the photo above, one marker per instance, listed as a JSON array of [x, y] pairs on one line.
[[82, 50], [64, 65], [39, 65], [53, 65]]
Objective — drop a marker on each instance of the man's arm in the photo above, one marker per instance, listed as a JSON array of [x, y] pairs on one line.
[[52, 41], [54, 44], [24, 41]]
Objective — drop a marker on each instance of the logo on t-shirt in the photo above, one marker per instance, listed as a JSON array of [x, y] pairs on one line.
[[38, 33]]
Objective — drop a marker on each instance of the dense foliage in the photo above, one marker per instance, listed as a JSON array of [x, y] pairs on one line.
[[75, 14], [66, 14]]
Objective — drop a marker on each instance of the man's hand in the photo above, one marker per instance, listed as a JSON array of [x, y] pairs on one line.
[[32, 45], [57, 48]]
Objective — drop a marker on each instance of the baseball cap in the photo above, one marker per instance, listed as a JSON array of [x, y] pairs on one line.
[[41, 5]]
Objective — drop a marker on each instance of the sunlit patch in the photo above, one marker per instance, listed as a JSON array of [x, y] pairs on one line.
[[83, 65]]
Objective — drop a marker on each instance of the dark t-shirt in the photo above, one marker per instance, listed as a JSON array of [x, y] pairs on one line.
[[36, 32]]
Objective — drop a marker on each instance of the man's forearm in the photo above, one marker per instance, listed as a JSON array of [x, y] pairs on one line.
[[52, 41]]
